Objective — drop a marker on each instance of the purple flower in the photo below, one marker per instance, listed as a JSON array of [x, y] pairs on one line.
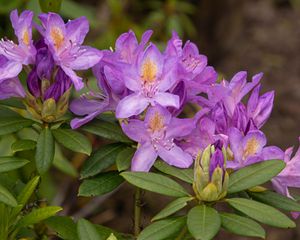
[[21, 54], [149, 79], [65, 43], [155, 136], [289, 176], [250, 148]]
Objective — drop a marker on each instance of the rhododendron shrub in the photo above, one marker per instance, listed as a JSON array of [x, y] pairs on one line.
[[218, 158]]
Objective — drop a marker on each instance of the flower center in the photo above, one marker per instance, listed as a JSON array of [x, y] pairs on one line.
[[156, 123], [251, 147], [25, 38], [57, 37], [149, 72]]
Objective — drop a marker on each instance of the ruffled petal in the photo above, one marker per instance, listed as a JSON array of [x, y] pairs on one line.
[[131, 105], [143, 158]]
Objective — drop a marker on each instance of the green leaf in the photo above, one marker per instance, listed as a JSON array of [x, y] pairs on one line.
[[13, 124], [99, 185], [86, 230], [25, 195], [50, 5], [254, 175], [23, 145], [203, 222], [101, 159], [63, 226], [37, 216], [123, 160], [172, 207], [155, 183], [44, 151], [163, 229], [276, 200], [63, 164], [106, 130], [7, 198], [11, 163], [186, 175], [261, 212], [241, 225], [72, 140]]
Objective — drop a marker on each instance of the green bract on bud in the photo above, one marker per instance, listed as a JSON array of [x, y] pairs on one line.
[[210, 176]]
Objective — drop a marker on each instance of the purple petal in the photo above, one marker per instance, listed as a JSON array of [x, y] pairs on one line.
[[158, 111], [78, 122], [272, 152], [167, 100], [11, 88], [174, 46], [34, 83], [77, 29], [143, 158], [136, 130], [131, 105], [253, 143], [180, 127], [86, 58], [175, 156], [77, 81], [10, 70], [169, 76]]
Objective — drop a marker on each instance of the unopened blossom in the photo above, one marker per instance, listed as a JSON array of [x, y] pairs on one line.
[[23, 53], [148, 79], [210, 176], [65, 43], [289, 176], [155, 136], [250, 148]]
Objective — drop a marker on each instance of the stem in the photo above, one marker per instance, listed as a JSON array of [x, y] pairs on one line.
[[182, 233], [137, 212]]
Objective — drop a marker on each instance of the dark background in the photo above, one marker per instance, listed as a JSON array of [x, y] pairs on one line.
[[252, 35]]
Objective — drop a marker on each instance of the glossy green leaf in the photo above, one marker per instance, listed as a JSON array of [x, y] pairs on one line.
[[11, 163], [106, 130], [163, 229], [101, 184], [276, 200], [63, 226], [63, 164], [50, 5], [155, 183], [86, 230], [101, 159], [7, 198], [37, 216], [261, 212], [203, 222], [172, 207], [241, 225], [186, 175], [254, 175], [124, 158], [13, 124], [23, 145], [72, 140], [44, 151]]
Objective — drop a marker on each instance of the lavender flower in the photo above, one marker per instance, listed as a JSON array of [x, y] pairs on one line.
[[149, 79], [21, 54], [155, 136], [65, 43]]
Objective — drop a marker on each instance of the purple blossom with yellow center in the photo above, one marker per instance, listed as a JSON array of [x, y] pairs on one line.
[[149, 79], [17, 55], [156, 135], [65, 43]]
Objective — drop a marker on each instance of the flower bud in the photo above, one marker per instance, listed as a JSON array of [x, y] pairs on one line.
[[210, 176]]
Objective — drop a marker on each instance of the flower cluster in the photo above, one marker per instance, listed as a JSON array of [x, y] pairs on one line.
[[147, 89], [50, 62]]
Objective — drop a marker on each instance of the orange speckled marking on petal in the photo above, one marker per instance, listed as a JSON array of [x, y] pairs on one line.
[[251, 147], [149, 71], [57, 37], [156, 122]]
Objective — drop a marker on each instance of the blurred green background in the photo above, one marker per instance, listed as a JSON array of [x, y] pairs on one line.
[[252, 35]]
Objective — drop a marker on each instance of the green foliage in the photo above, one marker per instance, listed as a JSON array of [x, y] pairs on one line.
[[72, 140], [203, 222], [261, 212], [13, 124], [163, 229], [241, 225], [63, 226], [123, 160], [11, 163], [101, 184], [103, 158], [254, 175], [23, 145], [155, 183], [50, 5], [44, 151], [86, 230], [7, 198]]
